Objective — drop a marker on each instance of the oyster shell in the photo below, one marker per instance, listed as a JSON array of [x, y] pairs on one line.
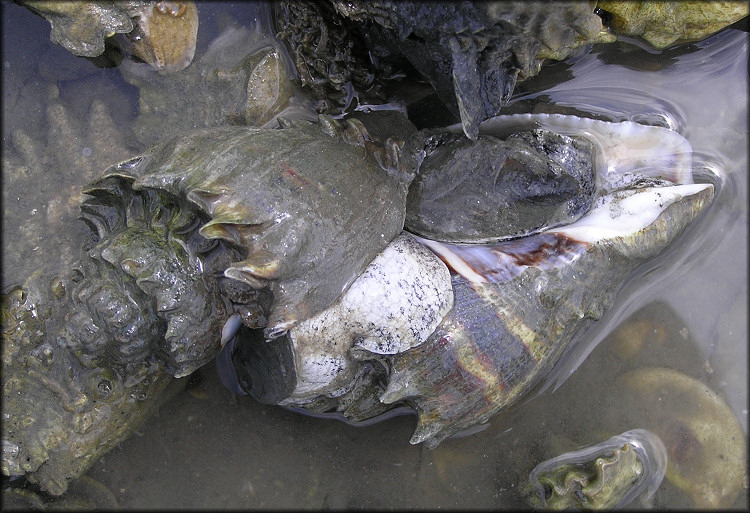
[[64, 408], [666, 23], [607, 475], [471, 53], [161, 33], [165, 35], [81, 27]]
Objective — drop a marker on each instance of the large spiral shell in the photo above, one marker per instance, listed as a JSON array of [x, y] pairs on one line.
[[517, 304]]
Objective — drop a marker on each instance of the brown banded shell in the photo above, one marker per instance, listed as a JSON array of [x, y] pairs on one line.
[[515, 312]]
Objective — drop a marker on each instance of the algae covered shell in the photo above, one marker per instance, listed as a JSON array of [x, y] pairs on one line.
[[665, 23], [268, 225]]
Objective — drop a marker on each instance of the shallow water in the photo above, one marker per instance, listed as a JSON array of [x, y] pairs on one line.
[[686, 311]]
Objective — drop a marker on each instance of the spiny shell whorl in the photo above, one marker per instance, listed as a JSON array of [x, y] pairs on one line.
[[308, 210], [151, 285]]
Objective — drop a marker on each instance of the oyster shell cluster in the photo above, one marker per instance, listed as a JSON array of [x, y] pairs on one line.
[[242, 78], [472, 53]]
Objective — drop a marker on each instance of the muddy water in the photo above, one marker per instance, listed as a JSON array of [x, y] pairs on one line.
[[685, 311]]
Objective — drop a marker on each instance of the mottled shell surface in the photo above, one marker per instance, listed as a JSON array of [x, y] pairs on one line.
[[265, 226]]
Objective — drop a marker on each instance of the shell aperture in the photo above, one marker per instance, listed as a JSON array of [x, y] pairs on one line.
[[527, 173], [491, 189], [395, 304], [626, 149]]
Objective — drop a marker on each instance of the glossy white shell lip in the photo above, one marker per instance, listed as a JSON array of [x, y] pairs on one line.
[[625, 212], [627, 152], [626, 148]]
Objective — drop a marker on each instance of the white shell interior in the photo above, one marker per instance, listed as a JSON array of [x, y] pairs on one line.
[[626, 211], [621, 213]]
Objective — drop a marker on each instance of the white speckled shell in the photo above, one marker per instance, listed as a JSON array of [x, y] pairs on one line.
[[394, 305]]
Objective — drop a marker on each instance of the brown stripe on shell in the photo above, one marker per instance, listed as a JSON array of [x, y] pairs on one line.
[[484, 358], [535, 347], [503, 261], [484, 316], [491, 351]]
